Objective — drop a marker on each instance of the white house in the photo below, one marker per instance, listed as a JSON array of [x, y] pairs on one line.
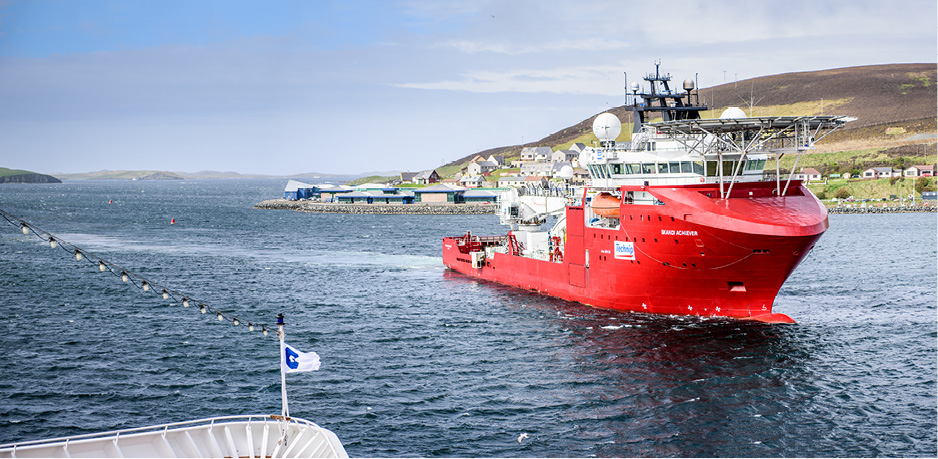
[[535, 153], [564, 156], [811, 174], [474, 181], [511, 181], [481, 167], [537, 168], [920, 171], [877, 172]]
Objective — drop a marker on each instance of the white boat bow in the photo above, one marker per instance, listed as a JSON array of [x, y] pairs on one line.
[[254, 436]]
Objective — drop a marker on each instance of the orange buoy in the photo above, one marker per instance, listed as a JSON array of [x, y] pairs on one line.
[[172, 222], [606, 205], [109, 201]]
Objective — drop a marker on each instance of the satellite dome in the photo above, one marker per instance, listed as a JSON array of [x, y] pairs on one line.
[[732, 112], [566, 172], [606, 127]]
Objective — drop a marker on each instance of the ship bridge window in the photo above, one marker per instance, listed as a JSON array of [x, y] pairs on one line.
[[633, 168], [698, 167], [687, 167], [616, 169], [674, 167], [648, 168], [663, 168], [728, 168], [598, 171], [755, 165]]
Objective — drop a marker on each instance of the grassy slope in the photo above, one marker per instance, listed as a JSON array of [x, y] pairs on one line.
[[107, 175], [4, 172], [868, 189], [374, 179]]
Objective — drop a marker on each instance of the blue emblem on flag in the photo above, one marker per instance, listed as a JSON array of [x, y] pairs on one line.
[[291, 358]]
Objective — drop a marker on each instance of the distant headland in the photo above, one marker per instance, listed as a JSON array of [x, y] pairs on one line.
[[21, 176]]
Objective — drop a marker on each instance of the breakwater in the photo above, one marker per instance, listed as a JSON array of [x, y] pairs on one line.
[[417, 208], [880, 210]]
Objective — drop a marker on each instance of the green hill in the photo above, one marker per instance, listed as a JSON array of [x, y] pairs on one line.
[[21, 176]]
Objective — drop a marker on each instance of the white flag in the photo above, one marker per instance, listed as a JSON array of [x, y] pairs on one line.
[[292, 360]]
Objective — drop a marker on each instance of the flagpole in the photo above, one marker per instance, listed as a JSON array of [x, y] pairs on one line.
[[283, 375]]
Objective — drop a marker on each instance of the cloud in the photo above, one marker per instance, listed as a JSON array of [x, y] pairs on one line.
[[590, 44], [405, 86], [560, 80]]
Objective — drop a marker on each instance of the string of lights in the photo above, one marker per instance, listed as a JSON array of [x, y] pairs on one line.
[[127, 276]]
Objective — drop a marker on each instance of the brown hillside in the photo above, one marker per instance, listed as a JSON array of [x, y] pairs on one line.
[[878, 95]]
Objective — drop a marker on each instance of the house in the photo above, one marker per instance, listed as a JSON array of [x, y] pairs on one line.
[[438, 193], [298, 190], [407, 177], [877, 172], [578, 147], [580, 176], [514, 181], [481, 167], [517, 163], [472, 181], [810, 174], [499, 160], [535, 153], [536, 168], [565, 156], [920, 171], [426, 177], [555, 168]]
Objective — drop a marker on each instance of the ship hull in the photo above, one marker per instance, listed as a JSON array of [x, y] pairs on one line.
[[695, 255]]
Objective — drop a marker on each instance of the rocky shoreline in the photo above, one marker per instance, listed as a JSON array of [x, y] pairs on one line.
[[385, 209], [880, 210]]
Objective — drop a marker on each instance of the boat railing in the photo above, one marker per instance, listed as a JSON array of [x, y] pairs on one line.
[[220, 442]]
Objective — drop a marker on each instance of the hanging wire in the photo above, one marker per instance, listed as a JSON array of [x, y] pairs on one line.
[[137, 280]]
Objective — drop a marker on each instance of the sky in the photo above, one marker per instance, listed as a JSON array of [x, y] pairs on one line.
[[347, 87]]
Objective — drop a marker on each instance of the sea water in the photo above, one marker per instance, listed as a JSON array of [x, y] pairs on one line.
[[420, 361]]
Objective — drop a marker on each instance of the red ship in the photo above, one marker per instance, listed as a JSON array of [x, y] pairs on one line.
[[683, 219]]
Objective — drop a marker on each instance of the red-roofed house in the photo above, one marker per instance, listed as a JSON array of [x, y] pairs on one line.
[[920, 171]]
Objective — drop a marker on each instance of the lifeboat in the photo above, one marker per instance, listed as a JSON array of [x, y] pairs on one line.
[[606, 205]]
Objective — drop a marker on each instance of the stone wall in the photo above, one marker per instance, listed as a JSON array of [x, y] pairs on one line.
[[416, 208], [880, 210]]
